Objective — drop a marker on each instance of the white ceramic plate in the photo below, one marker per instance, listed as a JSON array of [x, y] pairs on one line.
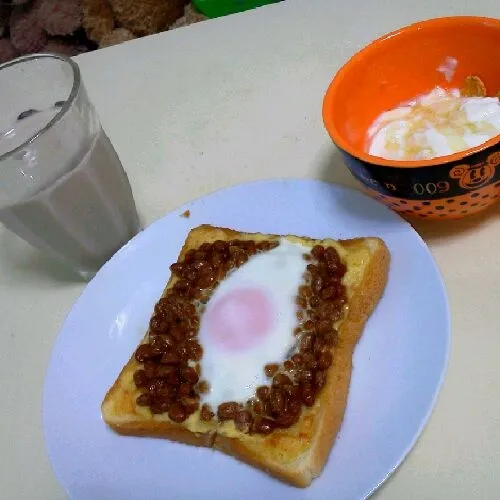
[[398, 364]]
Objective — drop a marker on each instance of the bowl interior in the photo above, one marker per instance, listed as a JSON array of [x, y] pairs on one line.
[[404, 64]]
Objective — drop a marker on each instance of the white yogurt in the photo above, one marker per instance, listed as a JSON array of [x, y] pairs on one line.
[[436, 124]]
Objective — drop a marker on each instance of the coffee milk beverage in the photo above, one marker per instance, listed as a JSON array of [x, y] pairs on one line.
[[63, 188]]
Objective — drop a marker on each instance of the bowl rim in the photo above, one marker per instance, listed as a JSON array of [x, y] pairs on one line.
[[327, 114]]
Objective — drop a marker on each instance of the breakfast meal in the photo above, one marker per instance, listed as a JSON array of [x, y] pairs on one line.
[[249, 349], [439, 123]]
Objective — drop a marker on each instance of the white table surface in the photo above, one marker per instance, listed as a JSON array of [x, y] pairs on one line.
[[233, 100]]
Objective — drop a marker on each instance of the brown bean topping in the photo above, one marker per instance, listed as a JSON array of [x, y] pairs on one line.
[[312, 269], [271, 369], [318, 252], [191, 405], [156, 324], [286, 420], [164, 370], [157, 384], [243, 420], [173, 378], [140, 379], [203, 387], [294, 405], [324, 327], [161, 343], [317, 284], [189, 374], [306, 342], [331, 255], [150, 369], [255, 406], [189, 257], [281, 379], [190, 332], [301, 302], [194, 350], [177, 268], [206, 413], [181, 287], [307, 376], [277, 401], [143, 400], [227, 411], [258, 408], [182, 351], [239, 259], [263, 426], [329, 293], [216, 259], [250, 246], [205, 281], [308, 325], [309, 361], [201, 254], [158, 406], [170, 358], [178, 333], [331, 339], [325, 360], [220, 246], [307, 395], [292, 391], [320, 379], [177, 413], [190, 274], [263, 392], [318, 345], [144, 352]]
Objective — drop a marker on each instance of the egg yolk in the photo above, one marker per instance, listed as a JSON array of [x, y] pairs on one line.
[[240, 319]]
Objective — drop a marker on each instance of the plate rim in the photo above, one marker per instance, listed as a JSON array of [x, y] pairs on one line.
[[137, 239]]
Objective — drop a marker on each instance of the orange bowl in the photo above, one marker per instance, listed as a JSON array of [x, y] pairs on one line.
[[396, 68]]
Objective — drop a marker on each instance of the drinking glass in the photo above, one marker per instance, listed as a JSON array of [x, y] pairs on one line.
[[63, 188]]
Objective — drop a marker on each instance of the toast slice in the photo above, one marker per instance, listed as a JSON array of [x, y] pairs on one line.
[[295, 454]]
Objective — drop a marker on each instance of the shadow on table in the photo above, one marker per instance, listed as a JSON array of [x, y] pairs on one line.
[[332, 169], [24, 261]]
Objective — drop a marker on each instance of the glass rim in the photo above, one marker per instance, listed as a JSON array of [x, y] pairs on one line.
[[64, 108]]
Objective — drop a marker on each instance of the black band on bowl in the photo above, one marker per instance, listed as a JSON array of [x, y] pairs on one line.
[[430, 183]]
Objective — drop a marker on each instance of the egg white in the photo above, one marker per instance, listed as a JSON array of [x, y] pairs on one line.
[[235, 375]]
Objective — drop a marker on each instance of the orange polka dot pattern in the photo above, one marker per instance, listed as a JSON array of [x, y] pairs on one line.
[[455, 207]]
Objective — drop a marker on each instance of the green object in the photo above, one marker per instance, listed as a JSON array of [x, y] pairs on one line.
[[218, 8]]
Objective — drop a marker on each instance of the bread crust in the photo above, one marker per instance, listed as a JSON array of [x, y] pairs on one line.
[[298, 454]]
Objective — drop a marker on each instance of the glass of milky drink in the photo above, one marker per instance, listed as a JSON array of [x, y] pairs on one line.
[[62, 186]]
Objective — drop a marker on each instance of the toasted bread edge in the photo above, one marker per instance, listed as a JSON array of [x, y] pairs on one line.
[[332, 401]]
